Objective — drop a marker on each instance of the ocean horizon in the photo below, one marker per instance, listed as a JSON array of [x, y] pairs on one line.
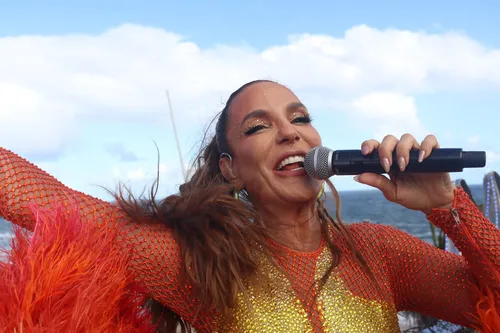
[[356, 206]]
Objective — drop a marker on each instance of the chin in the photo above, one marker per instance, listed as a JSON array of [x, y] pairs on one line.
[[302, 197]]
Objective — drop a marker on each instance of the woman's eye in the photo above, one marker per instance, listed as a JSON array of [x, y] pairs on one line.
[[302, 119], [254, 129]]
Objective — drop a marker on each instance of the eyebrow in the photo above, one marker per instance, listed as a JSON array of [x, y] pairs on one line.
[[254, 114], [261, 113], [294, 106]]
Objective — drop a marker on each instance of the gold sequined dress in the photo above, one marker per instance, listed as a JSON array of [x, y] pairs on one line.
[[412, 275]]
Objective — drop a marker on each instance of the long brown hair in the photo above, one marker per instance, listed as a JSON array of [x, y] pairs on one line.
[[217, 232]]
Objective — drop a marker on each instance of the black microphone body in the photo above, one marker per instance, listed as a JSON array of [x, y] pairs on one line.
[[322, 163]]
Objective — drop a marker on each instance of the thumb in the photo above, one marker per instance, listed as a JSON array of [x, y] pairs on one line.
[[385, 185]]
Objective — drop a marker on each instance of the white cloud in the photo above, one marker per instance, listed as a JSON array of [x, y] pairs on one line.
[[31, 120], [116, 172], [48, 83], [137, 174], [388, 113], [492, 156], [473, 139], [126, 175], [163, 168], [142, 177]]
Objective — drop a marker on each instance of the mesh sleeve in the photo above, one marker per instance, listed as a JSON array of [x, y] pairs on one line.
[[431, 281], [156, 258], [474, 235]]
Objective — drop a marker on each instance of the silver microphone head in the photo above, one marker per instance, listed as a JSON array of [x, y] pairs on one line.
[[318, 163]]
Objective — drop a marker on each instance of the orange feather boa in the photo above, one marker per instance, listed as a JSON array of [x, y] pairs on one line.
[[69, 276], [487, 316], [488, 313]]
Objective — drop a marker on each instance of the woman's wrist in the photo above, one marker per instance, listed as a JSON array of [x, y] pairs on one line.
[[444, 204]]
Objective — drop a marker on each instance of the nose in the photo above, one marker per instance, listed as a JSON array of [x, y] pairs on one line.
[[287, 133]]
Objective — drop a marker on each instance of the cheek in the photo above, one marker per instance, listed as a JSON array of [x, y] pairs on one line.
[[252, 158], [248, 159], [312, 137]]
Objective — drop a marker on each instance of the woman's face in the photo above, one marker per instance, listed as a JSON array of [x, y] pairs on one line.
[[269, 132]]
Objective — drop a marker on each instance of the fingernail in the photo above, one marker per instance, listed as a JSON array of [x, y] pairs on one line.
[[421, 155], [386, 165], [356, 178], [364, 150], [402, 163]]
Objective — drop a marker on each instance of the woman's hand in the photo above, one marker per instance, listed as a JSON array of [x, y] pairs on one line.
[[416, 191]]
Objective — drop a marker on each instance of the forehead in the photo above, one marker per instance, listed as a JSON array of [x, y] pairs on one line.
[[268, 96]]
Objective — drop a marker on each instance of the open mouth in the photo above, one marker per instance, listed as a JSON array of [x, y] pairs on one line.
[[291, 163]]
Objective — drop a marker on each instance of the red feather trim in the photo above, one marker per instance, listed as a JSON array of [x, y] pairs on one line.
[[487, 307], [488, 311], [69, 276]]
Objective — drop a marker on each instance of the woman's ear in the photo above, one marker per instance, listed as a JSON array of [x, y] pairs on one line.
[[226, 167]]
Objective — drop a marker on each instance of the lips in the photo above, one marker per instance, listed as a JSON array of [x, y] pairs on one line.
[[295, 159]]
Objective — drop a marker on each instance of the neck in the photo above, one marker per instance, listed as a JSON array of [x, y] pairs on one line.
[[295, 226]]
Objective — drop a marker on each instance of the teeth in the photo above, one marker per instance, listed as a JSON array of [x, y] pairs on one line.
[[290, 160]]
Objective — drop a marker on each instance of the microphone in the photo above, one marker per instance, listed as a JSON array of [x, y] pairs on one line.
[[322, 163]]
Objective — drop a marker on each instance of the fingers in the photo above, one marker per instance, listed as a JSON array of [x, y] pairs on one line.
[[368, 146], [385, 150], [403, 148], [430, 142], [385, 185]]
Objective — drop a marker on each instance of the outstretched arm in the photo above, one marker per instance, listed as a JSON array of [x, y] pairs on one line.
[[156, 257], [23, 183]]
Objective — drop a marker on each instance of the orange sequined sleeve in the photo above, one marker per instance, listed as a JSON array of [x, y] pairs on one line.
[[429, 280], [156, 259]]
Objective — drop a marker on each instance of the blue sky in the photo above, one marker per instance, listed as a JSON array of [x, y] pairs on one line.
[[83, 85], [259, 23]]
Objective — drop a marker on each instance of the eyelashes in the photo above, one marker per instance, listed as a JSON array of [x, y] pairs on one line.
[[306, 119], [253, 130], [302, 119]]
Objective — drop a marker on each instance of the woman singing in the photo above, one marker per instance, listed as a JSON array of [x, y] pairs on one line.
[[248, 246]]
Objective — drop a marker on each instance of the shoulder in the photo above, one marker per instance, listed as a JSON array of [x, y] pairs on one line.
[[386, 240], [374, 236], [369, 229]]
